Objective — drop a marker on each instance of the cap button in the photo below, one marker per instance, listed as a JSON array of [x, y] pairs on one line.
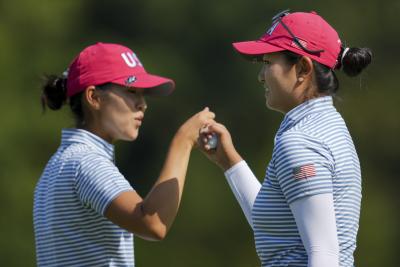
[[314, 12]]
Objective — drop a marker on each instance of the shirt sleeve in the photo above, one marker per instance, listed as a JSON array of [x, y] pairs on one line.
[[98, 182], [245, 187], [304, 166], [315, 219]]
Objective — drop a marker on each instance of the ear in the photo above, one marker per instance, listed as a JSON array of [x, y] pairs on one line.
[[92, 98], [304, 69]]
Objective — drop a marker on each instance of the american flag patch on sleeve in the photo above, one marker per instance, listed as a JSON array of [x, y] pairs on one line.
[[304, 171]]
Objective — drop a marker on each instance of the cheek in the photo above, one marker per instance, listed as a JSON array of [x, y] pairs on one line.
[[290, 80], [283, 81], [119, 120], [271, 76], [118, 112], [127, 124]]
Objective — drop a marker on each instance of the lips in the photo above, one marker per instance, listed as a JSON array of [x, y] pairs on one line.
[[266, 91], [139, 119]]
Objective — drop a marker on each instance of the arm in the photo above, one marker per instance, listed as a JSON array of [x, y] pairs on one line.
[[152, 217], [304, 170], [245, 187], [315, 219], [241, 179]]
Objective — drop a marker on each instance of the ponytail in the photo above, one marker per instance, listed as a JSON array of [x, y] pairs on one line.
[[54, 94]]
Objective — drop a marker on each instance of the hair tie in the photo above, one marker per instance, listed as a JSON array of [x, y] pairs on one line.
[[344, 54], [65, 74]]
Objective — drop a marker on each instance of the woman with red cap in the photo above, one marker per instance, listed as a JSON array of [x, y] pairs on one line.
[[85, 211], [306, 211]]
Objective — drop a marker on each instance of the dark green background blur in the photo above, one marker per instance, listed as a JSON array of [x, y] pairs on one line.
[[190, 41]]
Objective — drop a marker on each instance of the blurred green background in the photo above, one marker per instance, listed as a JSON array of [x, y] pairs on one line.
[[190, 41]]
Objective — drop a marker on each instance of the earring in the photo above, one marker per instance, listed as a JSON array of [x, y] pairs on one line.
[[301, 79]]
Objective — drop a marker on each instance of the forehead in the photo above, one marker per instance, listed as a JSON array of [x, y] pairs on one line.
[[118, 87], [137, 90], [271, 56]]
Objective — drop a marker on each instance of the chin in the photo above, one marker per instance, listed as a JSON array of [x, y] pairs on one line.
[[131, 136], [268, 104], [271, 106]]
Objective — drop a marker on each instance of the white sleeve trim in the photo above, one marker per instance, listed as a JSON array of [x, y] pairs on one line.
[[245, 187], [315, 219]]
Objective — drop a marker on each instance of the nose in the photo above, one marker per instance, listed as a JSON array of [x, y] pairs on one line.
[[141, 103], [261, 77]]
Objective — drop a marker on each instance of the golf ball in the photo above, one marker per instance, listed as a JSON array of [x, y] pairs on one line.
[[213, 141]]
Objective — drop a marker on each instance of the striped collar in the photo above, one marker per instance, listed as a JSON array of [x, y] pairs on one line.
[[315, 105], [73, 135]]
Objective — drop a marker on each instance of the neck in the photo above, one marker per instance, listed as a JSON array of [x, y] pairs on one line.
[[97, 131], [307, 92]]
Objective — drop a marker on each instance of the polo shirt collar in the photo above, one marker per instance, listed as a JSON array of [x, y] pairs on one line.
[[315, 105], [73, 135]]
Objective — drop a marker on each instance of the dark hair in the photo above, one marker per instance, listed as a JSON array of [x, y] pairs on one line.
[[355, 60], [54, 93], [54, 96]]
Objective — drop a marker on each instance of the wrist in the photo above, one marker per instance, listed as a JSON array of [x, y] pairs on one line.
[[181, 137], [232, 159]]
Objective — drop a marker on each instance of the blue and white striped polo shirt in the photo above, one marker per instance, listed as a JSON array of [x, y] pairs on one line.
[[313, 154], [77, 185]]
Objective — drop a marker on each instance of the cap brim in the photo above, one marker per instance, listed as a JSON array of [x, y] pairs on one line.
[[256, 48], [155, 85]]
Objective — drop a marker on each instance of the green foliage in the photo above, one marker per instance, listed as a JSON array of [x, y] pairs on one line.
[[190, 41]]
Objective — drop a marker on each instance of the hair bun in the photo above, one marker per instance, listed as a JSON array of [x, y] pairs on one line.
[[355, 60]]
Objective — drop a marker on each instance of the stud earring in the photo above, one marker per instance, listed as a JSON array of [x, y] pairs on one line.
[[301, 79]]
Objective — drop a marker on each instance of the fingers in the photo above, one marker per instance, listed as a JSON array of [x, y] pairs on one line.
[[210, 134], [196, 123], [205, 145], [206, 117], [205, 136], [213, 127], [207, 114]]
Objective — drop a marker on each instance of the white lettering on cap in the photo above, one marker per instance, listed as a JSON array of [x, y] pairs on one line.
[[131, 59]]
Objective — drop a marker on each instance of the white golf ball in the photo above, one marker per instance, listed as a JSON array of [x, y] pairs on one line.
[[213, 141]]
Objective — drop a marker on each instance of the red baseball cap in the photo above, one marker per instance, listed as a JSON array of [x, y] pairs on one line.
[[112, 63], [306, 34]]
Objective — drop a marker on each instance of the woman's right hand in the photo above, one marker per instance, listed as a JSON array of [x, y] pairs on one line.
[[225, 154], [189, 131]]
